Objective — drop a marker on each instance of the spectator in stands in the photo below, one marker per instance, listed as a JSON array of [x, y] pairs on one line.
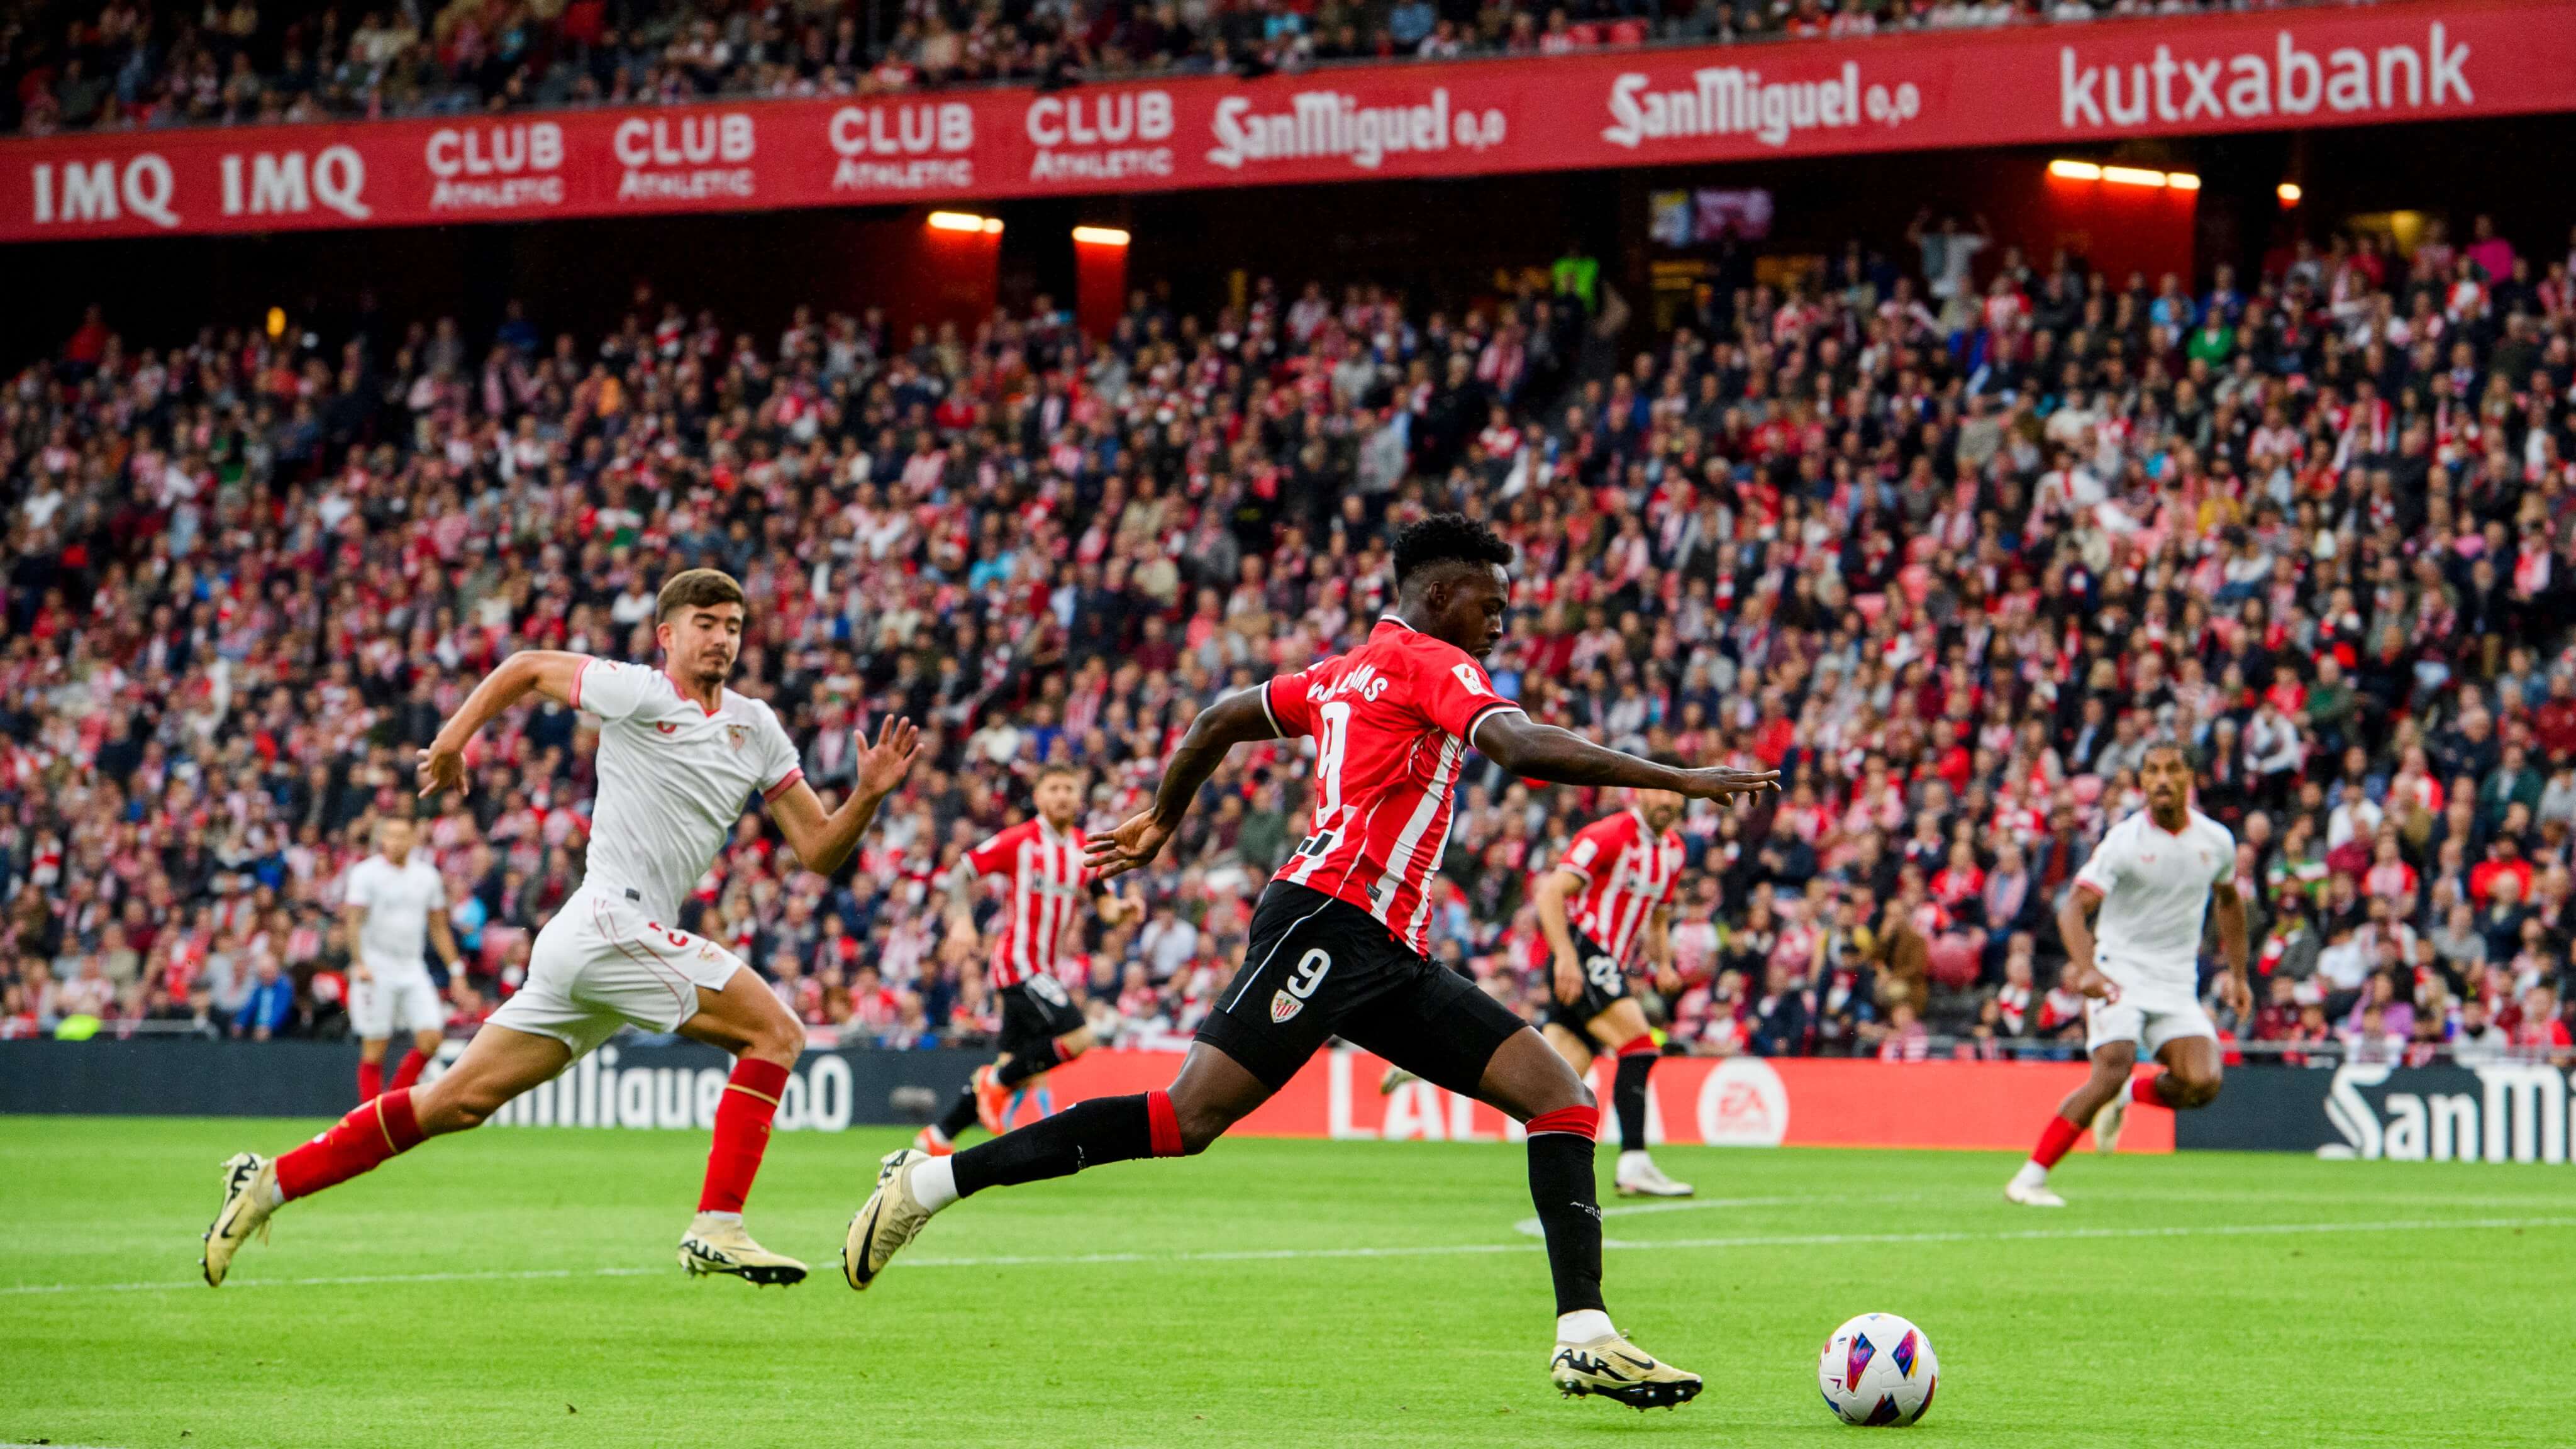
[[270, 1004]]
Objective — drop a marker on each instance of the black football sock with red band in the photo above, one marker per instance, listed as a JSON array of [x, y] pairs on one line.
[[1569, 1210], [961, 1113], [1628, 1092], [1086, 1134], [1020, 1069]]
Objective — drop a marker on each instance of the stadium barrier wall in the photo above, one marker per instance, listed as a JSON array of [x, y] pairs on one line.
[[624, 1084], [2503, 1112], [1724, 1102], [1612, 110]]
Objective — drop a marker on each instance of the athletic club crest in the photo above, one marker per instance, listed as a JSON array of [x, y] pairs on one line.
[[734, 736], [1284, 1006]]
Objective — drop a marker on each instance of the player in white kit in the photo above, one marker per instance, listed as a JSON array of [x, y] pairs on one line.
[[679, 755], [395, 905], [2153, 879]]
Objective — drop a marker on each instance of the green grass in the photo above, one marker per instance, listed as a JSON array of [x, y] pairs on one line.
[[2415, 1325]]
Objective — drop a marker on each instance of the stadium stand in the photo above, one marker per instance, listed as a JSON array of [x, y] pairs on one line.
[[1952, 571]]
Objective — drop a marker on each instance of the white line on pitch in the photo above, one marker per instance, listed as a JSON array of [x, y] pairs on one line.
[[1529, 1227], [168, 1286], [1432, 1250]]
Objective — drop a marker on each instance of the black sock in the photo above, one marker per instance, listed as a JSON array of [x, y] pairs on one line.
[[1087, 1134], [1560, 1174], [961, 1113], [1628, 1096], [1020, 1069]]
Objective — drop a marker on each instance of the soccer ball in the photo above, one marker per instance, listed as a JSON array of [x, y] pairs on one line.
[[1878, 1371]]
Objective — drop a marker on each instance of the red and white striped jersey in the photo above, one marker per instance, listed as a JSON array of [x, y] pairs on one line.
[[1391, 721], [1627, 872], [1047, 875]]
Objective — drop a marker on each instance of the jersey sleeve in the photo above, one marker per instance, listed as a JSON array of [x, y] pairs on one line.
[[2226, 854], [1453, 691], [2102, 872], [1595, 845], [995, 856], [354, 888], [1284, 699], [779, 767], [608, 689]]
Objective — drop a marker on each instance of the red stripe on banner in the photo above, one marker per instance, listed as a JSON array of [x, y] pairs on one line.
[[1584, 1122], [2103, 82]]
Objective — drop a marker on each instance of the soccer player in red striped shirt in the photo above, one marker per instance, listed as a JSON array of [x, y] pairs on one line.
[[1618, 876], [1337, 942], [1043, 859]]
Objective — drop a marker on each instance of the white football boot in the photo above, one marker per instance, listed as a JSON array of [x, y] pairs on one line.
[[717, 1243], [1616, 1369], [1638, 1176], [250, 1195]]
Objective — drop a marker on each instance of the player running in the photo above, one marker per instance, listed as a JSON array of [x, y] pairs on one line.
[[1041, 1027], [678, 755], [2153, 879], [394, 904], [1336, 944], [1619, 872]]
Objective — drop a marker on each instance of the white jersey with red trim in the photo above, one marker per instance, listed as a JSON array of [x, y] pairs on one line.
[[1046, 870], [1392, 722], [673, 779], [1627, 872], [393, 940], [2155, 898]]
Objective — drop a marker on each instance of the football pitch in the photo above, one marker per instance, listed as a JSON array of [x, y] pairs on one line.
[[518, 1288]]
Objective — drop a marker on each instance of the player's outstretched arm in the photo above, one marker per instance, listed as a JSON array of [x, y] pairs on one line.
[[1237, 719], [1537, 751], [824, 842], [549, 672]]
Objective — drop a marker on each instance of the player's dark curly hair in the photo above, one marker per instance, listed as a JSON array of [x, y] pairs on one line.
[[1445, 538]]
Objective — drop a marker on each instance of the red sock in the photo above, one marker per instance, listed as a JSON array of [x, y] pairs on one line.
[[371, 1081], [2143, 1091], [375, 1130], [742, 1134], [409, 1071], [2055, 1141]]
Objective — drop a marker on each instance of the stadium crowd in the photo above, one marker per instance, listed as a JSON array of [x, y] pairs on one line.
[[1952, 557], [133, 63]]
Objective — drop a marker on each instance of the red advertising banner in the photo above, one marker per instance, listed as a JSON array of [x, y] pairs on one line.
[[1723, 1102], [2072, 83]]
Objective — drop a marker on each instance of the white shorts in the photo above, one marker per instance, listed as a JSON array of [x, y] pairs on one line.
[[380, 1005], [599, 965], [2149, 1015]]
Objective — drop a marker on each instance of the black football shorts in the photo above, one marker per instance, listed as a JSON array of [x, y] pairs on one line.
[[1317, 967]]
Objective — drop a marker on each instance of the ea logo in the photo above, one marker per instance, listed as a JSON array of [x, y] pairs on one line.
[[1743, 1104]]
